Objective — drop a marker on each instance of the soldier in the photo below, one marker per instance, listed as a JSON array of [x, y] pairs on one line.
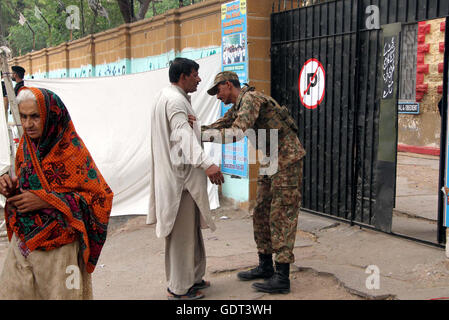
[[275, 216]]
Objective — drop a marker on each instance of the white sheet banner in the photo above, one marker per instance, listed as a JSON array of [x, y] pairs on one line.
[[5, 160], [111, 115], [5, 156]]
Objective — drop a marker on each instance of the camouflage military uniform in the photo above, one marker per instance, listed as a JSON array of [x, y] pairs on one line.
[[279, 195]]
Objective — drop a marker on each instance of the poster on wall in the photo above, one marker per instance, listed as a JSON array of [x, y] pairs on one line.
[[234, 58]]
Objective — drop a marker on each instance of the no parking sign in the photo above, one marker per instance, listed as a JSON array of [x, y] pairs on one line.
[[312, 83]]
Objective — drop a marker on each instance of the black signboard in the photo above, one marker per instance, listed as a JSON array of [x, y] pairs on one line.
[[389, 55]]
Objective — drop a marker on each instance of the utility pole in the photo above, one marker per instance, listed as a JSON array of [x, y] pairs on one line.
[[22, 21], [82, 17], [34, 35], [38, 13]]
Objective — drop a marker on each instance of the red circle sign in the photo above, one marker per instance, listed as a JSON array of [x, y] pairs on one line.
[[312, 83]]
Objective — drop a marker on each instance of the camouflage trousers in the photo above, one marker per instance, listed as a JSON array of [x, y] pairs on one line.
[[275, 217]]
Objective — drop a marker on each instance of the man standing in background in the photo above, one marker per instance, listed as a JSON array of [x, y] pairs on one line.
[[5, 98], [18, 73]]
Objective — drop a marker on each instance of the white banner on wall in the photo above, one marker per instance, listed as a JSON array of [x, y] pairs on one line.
[[112, 116], [5, 160]]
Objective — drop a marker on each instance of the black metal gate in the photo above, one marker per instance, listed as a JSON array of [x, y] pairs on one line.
[[351, 136]]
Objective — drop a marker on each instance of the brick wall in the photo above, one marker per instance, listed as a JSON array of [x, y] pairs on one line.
[[259, 68], [195, 26], [424, 129]]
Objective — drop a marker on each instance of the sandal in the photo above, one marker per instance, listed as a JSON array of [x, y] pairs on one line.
[[201, 285], [192, 294]]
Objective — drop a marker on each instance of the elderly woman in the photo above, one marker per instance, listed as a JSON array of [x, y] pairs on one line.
[[58, 206]]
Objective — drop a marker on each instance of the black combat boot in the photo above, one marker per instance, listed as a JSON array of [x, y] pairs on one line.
[[278, 283], [263, 271]]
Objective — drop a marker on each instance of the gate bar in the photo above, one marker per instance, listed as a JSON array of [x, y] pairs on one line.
[[443, 139], [313, 38], [356, 100]]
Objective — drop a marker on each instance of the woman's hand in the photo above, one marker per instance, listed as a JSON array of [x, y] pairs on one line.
[[27, 202], [8, 185]]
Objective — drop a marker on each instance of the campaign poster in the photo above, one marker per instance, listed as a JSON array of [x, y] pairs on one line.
[[234, 58]]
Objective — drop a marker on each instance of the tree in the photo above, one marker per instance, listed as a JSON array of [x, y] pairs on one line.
[[97, 9], [128, 11], [2, 27], [94, 15], [127, 8], [144, 4], [19, 37]]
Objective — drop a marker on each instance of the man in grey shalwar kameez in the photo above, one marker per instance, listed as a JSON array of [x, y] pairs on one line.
[[179, 203]]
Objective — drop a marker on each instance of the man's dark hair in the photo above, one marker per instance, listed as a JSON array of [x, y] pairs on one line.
[[19, 71], [21, 74], [180, 66], [235, 83]]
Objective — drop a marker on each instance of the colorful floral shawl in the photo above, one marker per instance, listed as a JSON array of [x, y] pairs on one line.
[[61, 171]]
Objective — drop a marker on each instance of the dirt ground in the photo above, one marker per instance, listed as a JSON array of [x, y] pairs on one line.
[[305, 285], [421, 171], [416, 210], [417, 176], [142, 274], [131, 265]]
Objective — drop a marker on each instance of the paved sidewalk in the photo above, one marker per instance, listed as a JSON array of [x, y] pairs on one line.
[[416, 211], [331, 262], [131, 266], [417, 185], [332, 258], [408, 270]]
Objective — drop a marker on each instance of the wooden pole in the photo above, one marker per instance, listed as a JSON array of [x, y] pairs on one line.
[[34, 35], [10, 91], [6, 169]]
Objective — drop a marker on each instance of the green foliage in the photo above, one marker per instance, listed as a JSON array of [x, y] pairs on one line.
[[161, 7], [20, 38]]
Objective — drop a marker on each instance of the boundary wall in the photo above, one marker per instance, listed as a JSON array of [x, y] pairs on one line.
[[422, 132], [130, 48], [193, 32]]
